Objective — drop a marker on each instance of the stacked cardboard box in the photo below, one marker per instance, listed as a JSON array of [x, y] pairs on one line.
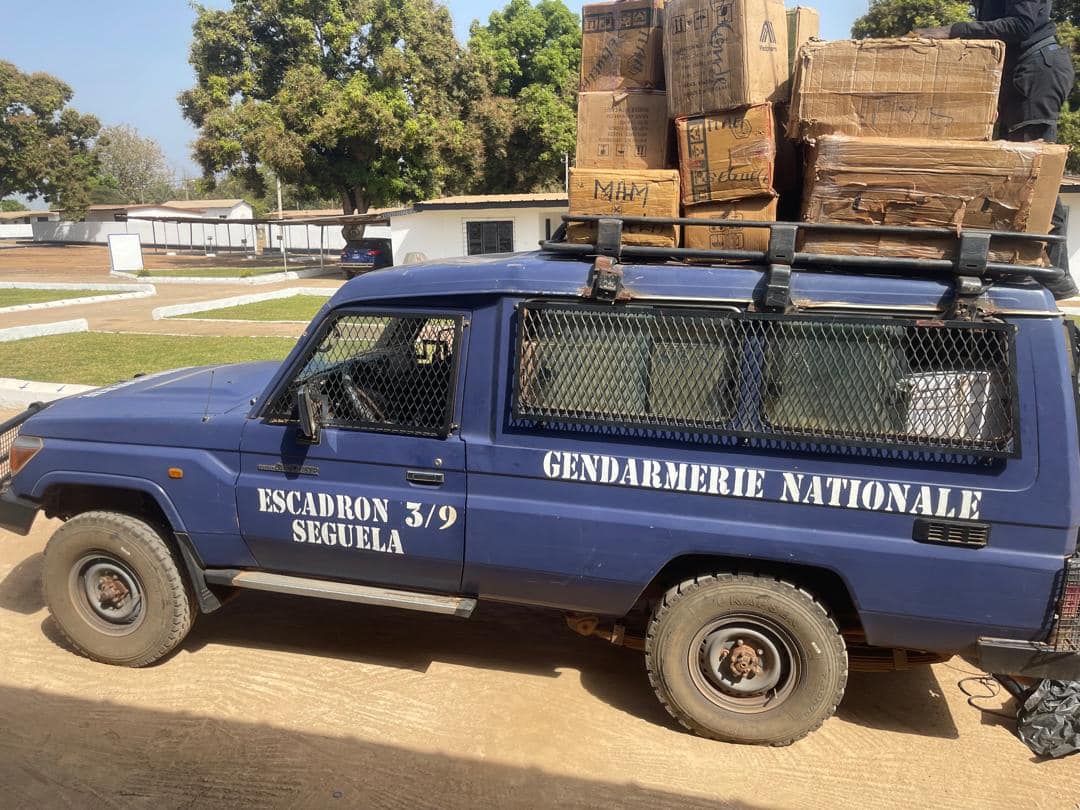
[[727, 65], [623, 133], [898, 133]]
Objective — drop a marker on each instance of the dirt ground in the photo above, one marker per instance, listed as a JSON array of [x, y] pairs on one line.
[[282, 701]]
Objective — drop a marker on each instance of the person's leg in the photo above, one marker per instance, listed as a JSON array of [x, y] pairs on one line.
[[1037, 91]]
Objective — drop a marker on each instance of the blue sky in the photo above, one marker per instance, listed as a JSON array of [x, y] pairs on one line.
[[127, 59]]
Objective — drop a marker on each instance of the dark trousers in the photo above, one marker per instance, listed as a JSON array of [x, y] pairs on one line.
[[1034, 90]]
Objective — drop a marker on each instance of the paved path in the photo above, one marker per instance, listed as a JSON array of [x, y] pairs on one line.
[[90, 264]]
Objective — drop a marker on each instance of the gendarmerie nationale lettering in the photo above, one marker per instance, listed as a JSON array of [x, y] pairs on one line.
[[752, 483]]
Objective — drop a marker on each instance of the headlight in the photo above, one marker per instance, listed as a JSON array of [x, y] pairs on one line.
[[23, 449]]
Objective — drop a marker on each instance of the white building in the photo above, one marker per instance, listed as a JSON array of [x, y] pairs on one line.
[[1070, 195], [444, 228], [19, 224], [177, 224]]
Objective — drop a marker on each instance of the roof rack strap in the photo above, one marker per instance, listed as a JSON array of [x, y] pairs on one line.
[[782, 241], [609, 237]]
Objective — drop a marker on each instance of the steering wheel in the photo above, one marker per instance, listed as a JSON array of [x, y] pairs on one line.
[[362, 403]]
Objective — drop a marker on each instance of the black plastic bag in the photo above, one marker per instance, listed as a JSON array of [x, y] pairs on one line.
[[1049, 720]]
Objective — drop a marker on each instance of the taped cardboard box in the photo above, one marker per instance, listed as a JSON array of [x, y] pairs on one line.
[[622, 45], [897, 88], [718, 237], [979, 185], [727, 156], [804, 24], [887, 181], [622, 130], [628, 193], [723, 55]]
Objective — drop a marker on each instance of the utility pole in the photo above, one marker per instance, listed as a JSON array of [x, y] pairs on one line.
[[566, 171], [281, 230]]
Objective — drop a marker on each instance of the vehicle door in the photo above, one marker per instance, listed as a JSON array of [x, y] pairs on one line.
[[380, 496]]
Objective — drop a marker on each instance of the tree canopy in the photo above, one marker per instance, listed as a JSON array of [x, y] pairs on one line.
[[895, 18], [354, 96], [132, 168], [46, 146], [522, 70]]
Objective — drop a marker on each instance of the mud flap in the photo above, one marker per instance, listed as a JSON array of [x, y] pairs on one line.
[[1049, 719]]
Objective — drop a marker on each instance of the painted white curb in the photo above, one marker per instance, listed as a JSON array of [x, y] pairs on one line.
[[120, 292], [271, 278], [20, 394], [43, 329], [175, 310]]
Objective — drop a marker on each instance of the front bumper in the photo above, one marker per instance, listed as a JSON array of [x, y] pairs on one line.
[[1029, 659], [17, 514]]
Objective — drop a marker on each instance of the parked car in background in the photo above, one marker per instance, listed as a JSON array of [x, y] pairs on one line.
[[365, 255]]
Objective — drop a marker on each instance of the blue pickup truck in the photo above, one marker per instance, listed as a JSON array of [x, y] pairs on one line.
[[761, 474]]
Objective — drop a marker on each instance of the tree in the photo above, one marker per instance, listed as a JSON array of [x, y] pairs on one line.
[[357, 98], [11, 205], [523, 69], [895, 18], [132, 167], [46, 147], [1067, 16]]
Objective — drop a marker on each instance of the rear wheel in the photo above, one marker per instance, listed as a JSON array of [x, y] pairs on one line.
[[745, 659], [115, 590]]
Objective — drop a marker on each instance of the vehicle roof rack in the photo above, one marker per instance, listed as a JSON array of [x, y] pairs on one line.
[[970, 268]]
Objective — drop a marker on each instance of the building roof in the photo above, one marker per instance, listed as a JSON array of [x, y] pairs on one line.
[[9, 216], [537, 200], [1071, 184], [198, 205]]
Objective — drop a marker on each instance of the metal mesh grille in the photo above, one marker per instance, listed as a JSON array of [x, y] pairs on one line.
[[854, 381], [1067, 635], [7, 438], [391, 374]]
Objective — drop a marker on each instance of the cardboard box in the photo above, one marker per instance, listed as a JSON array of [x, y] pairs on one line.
[[756, 209], [898, 88], [626, 193], [727, 156], [803, 24], [723, 55], [1001, 250], [622, 130], [991, 185], [622, 45]]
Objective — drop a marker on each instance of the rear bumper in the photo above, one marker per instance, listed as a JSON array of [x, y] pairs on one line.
[[1001, 656], [17, 514]]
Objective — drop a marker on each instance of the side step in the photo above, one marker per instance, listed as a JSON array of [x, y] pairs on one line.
[[342, 591]]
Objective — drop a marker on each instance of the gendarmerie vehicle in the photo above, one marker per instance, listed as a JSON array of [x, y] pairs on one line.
[[762, 474]]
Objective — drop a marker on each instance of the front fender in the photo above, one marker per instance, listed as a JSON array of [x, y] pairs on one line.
[[151, 488]]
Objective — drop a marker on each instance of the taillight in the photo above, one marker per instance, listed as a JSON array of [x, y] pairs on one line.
[[373, 253], [1067, 636], [22, 450]]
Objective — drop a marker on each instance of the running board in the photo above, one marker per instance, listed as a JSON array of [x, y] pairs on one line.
[[342, 591]]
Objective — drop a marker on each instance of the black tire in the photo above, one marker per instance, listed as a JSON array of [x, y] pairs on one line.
[[703, 620], [148, 610]]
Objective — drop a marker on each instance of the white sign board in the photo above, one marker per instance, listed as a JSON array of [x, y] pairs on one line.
[[125, 253]]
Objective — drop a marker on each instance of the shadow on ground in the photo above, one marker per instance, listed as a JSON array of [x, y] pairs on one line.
[[109, 754]]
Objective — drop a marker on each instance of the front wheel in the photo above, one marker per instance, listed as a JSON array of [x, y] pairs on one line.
[[113, 587], [745, 659]]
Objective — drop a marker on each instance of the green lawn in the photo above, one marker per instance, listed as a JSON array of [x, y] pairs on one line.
[[100, 358], [296, 308], [18, 297], [212, 272]]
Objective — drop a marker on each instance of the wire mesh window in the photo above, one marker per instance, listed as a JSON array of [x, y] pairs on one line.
[[862, 382], [7, 439], [387, 373]]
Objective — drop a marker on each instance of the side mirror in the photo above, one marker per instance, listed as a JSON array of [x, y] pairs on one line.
[[311, 407]]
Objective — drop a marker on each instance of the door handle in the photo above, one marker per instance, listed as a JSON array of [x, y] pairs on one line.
[[425, 478]]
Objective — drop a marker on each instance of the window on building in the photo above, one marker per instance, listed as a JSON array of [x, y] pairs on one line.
[[491, 236]]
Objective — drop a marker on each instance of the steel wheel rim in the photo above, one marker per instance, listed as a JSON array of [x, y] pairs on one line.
[[720, 662], [107, 593]]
